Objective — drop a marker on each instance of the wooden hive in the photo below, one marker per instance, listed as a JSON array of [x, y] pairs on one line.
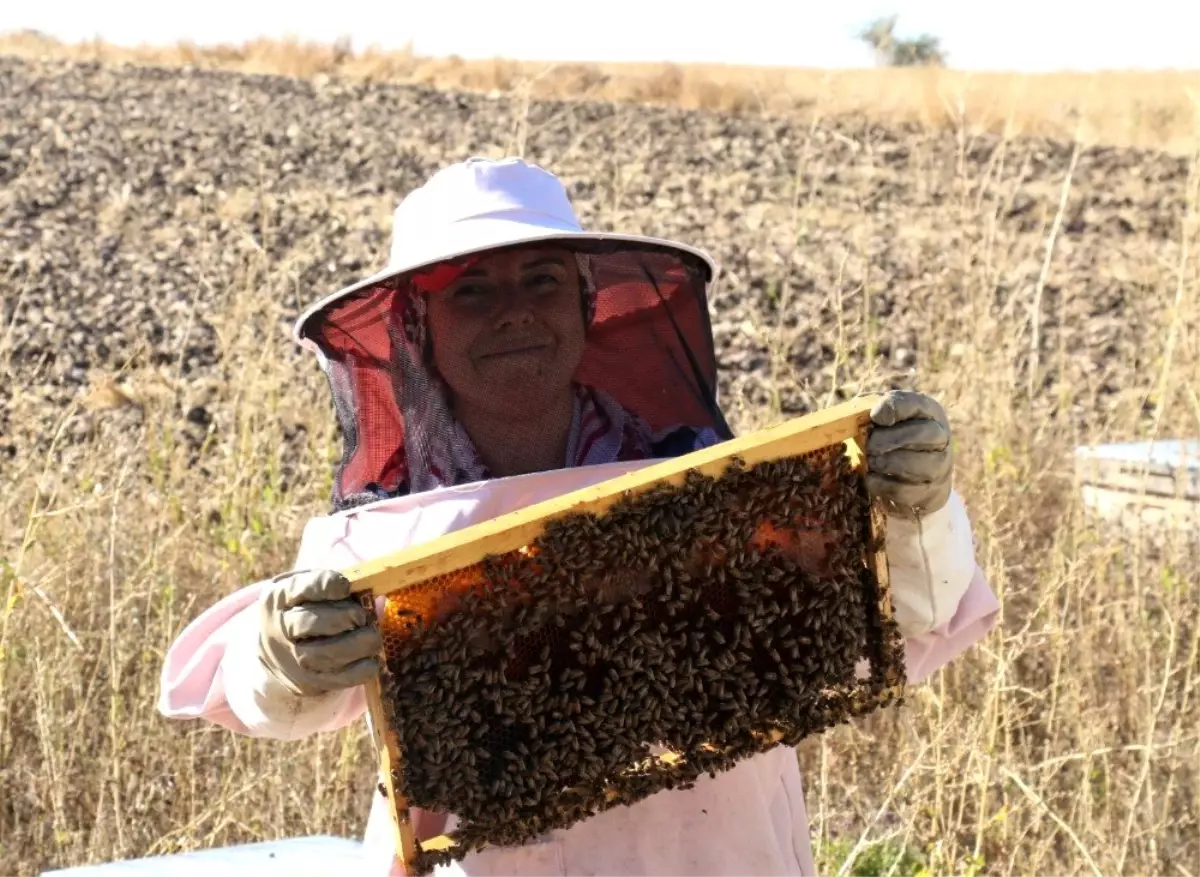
[[624, 639], [1148, 486]]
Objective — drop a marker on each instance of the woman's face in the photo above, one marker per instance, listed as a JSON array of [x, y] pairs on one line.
[[508, 333]]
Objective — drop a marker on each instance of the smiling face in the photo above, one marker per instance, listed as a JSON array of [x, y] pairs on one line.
[[508, 333]]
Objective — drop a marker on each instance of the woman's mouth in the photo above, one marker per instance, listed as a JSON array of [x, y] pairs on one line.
[[522, 349]]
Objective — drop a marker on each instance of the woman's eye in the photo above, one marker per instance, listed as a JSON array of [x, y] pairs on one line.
[[545, 282], [470, 292]]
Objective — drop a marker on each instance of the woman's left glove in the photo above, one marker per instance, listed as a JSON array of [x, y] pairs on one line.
[[910, 460]]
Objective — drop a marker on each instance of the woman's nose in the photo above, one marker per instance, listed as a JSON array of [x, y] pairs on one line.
[[514, 318], [516, 309]]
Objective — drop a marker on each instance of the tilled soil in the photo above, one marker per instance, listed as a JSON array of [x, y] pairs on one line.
[[137, 204]]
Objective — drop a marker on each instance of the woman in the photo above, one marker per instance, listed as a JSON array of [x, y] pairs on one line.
[[505, 356]]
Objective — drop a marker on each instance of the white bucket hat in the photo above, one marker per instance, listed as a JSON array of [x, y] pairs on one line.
[[477, 205]]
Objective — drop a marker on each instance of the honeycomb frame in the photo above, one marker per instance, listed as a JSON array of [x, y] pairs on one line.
[[429, 585]]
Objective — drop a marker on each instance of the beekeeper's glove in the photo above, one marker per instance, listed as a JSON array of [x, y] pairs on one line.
[[314, 637], [909, 457]]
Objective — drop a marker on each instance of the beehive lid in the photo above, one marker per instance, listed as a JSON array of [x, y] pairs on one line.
[[1168, 468], [317, 856]]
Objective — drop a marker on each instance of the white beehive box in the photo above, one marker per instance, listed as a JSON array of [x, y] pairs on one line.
[[318, 856], [1147, 484]]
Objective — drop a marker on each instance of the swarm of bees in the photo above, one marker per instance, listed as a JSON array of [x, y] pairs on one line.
[[628, 653]]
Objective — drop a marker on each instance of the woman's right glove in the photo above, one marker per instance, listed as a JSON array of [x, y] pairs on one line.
[[314, 636]]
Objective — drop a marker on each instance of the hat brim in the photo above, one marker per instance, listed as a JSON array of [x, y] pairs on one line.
[[481, 235]]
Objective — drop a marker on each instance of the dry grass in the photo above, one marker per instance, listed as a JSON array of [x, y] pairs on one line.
[[1153, 110], [1068, 742]]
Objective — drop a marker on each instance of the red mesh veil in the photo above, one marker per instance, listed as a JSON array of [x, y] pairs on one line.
[[646, 382]]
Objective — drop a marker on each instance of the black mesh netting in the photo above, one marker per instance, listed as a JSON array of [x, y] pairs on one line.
[[406, 370]]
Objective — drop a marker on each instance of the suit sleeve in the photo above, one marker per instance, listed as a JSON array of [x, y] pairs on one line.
[[212, 672], [941, 598]]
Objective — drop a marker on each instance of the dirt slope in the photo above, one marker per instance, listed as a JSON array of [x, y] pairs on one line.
[[138, 204]]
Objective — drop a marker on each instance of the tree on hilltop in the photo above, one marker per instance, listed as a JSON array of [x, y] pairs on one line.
[[893, 51]]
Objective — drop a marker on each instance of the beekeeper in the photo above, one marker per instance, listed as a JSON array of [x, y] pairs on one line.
[[504, 340]]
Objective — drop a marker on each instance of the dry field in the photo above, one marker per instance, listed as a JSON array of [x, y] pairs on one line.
[[161, 441], [1157, 110]]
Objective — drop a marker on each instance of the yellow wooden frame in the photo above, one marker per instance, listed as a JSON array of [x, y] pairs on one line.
[[845, 423]]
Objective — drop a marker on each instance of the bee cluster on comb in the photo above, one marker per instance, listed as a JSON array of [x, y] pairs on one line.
[[622, 654]]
